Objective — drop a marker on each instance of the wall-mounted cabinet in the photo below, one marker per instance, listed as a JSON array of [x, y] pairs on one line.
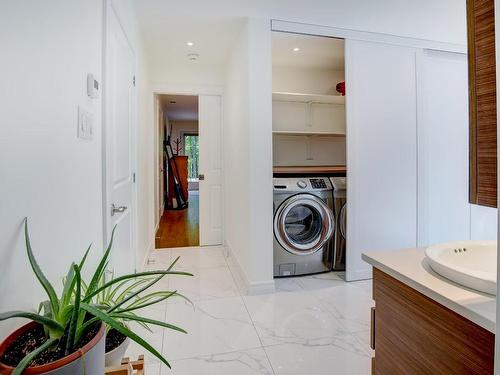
[[308, 114], [482, 103]]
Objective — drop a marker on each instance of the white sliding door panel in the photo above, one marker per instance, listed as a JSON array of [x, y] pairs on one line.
[[210, 165], [443, 158], [381, 151]]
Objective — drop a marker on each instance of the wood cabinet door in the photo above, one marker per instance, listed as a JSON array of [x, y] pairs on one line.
[[482, 107]]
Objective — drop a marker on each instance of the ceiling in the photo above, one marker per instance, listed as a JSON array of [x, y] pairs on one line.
[[315, 51], [214, 26], [185, 107], [166, 28]]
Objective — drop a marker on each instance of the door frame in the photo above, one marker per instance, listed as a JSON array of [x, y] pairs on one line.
[[106, 190], [194, 90]]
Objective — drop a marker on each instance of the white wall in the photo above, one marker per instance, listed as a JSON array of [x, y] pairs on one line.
[[48, 174], [483, 222], [443, 139], [247, 156], [188, 73], [236, 156]]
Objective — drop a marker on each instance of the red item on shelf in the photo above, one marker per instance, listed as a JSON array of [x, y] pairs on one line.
[[341, 88]]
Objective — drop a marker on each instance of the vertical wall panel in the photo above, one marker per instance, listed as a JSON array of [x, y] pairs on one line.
[[443, 141], [381, 151]]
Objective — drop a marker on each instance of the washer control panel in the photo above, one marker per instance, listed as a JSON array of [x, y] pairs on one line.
[[318, 183], [301, 184]]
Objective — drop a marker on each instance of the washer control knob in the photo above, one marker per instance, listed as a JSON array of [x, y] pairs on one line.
[[301, 184]]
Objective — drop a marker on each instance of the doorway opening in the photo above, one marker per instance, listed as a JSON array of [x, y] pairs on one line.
[[178, 198]]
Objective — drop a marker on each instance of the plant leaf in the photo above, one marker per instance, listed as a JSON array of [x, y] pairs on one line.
[[82, 262], [131, 276], [123, 330], [124, 293], [147, 321], [134, 294], [30, 356], [145, 301], [102, 265], [39, 274], [73, 325], [69, 283], [45, 321]]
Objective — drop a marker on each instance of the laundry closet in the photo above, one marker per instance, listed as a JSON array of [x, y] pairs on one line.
[[309, 155], [400, 135]]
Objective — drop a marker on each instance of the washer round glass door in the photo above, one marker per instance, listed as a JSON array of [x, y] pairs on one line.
[[303, 224]]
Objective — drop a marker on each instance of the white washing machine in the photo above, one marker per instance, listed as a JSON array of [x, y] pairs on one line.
[[340, 210], [304, 225]]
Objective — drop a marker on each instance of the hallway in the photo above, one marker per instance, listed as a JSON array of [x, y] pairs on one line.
[[180, 228]]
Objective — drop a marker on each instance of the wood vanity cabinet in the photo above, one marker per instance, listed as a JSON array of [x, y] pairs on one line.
[[414, 335], [482, 103]]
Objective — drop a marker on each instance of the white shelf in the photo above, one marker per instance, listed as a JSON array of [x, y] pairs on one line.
[[307, 133], [308, 98]]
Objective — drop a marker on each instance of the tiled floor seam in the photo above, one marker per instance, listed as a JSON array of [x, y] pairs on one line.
[[217, 353], [251, 319]]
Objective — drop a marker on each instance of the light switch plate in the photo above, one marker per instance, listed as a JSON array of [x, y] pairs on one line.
[[85, 124]]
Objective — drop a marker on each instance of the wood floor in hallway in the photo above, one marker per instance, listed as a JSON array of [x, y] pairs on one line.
[[180, 228]]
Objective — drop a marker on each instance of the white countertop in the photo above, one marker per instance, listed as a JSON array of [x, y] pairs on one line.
[[410, 267]]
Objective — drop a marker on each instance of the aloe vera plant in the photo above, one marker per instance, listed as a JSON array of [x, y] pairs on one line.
[[82, 305]]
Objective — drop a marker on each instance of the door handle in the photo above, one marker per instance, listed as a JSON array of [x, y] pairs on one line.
[[201, 177], [115, 209]]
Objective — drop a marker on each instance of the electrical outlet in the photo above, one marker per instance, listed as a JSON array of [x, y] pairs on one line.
[[85, 124]]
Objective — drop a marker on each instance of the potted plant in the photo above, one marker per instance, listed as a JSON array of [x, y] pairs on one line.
[[66, 335], [117, 295]]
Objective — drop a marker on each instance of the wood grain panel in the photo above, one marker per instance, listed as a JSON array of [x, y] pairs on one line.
[[310, 169], [414, 335], [482, 102]]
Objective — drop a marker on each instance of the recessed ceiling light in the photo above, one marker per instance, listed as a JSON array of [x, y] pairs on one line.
[[193, 56], [296, 49], [190, 44]]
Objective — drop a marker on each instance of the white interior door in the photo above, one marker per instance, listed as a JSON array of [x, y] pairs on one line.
[[210, 169], [443, 142], [381, 151], [119, 135], [161, 172]]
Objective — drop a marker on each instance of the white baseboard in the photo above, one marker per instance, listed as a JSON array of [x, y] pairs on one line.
[[356, 275], [246, 287], [150, 248]]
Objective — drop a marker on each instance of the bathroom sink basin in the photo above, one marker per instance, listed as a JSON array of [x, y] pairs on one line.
[[470, 263]]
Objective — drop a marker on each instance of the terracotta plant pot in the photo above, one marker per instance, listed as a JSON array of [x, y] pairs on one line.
[[88, 360], [115, 356]]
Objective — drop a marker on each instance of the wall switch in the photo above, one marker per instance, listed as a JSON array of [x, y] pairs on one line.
[[85, 124], [92, 86]]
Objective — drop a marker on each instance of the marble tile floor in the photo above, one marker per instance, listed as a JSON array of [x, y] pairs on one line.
[[311, 325]]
